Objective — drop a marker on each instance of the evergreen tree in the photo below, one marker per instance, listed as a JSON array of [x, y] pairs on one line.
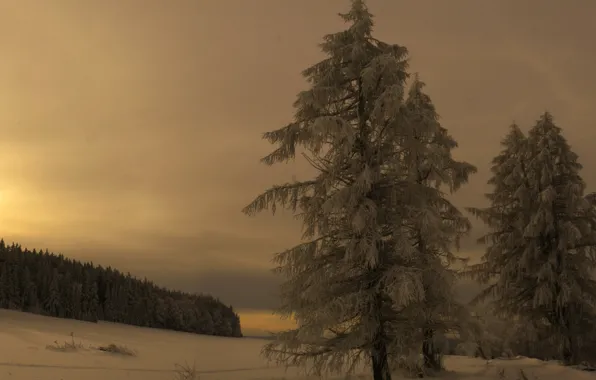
[[15, 300], [93, 303], [89, 298], [356, 283], [542, 242], [507, 215], [110, 304], [4, 285], [52, 303], [173, 314], [30, 300], [76, 297], [160, 313], [66, 296], [204, 323], [436, 224]]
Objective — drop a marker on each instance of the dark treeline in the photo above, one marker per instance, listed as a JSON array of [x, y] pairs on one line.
[[49, 284]]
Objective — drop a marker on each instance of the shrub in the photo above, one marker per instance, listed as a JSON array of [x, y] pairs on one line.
[[65, 346], [186, 372], [117, 349]]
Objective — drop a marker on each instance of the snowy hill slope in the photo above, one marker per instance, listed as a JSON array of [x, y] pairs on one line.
[[24, 356]]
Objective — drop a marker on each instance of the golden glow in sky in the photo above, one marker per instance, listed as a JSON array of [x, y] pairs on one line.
[[131, 130]]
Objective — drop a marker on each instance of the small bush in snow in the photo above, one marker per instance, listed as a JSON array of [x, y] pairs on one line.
[[117, 349], [186, 372], [65, 346]]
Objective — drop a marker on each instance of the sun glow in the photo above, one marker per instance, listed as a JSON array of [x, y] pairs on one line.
[[263, 320]]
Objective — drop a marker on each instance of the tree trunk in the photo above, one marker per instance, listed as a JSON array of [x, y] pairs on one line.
[[570, 344], [380, 362], [431, 357], [570, 350], [379, 354], [567, 356]]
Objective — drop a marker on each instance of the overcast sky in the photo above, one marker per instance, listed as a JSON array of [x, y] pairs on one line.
[[130, 129]]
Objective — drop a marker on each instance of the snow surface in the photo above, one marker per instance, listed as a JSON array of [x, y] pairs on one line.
[[24, 355]]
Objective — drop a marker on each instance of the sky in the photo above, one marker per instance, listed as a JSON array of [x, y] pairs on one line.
[[130, 131]]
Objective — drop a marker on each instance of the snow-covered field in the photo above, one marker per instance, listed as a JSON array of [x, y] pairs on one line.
[[24, 355]]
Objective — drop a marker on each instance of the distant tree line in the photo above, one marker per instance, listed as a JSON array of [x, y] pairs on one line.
[[53, 285]]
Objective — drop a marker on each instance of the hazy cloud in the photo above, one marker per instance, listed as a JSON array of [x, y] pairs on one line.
[[254, 290], [131, 130]]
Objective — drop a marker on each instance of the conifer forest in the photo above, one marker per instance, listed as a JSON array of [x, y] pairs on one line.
[[48, 284]]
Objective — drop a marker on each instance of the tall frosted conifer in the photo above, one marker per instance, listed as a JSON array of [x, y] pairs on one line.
[[357, 282], [541, 250]]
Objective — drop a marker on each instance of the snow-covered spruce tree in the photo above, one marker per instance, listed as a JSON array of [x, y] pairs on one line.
[[507, 216], [435, 224], [541, 250], [355, 283]]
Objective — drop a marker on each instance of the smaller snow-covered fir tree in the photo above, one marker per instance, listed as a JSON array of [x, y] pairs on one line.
[[436, 224], [507, 215], [541, 250]]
